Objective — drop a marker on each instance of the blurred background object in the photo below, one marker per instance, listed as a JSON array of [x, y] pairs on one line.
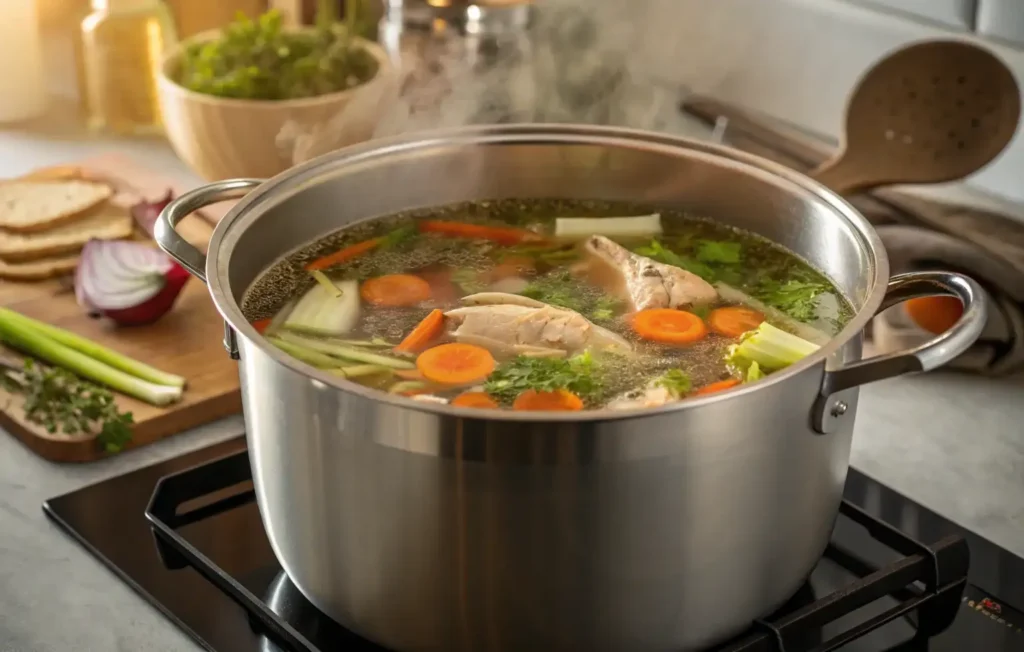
[[123, 43], [22, 84]]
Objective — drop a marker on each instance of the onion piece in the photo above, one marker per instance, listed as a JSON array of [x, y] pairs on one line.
[[326, 309], [129, 282], [147, 212]]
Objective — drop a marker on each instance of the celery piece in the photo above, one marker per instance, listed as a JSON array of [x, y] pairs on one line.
[[771, 348], [345, 352], [361, 370], [93, 350], [309, 356]]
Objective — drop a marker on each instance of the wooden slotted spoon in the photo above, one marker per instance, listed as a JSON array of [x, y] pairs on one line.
[[933, 112]]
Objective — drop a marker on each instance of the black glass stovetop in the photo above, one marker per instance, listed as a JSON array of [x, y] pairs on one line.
[[897, 577]]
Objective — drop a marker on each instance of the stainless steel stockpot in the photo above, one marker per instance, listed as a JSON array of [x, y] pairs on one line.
[[430, 527]]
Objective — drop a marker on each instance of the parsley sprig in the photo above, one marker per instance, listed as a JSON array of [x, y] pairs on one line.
[[58, 400], [578, 374]]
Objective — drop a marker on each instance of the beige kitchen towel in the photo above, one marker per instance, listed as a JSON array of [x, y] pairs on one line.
[[1000, 349]]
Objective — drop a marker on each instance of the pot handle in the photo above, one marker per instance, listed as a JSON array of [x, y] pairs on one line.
[[930, 355], [177, 247]]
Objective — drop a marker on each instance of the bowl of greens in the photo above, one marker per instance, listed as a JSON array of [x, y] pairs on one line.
[[246, 100]]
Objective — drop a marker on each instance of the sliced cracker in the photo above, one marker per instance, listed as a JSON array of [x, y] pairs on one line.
[[38, 270], [105, 222], [27, 206]]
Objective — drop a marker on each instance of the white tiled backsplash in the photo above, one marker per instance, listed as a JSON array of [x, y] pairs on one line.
[[798, 59]]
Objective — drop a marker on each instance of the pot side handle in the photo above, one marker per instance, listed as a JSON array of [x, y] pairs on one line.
[[177, 247], [932, 354]]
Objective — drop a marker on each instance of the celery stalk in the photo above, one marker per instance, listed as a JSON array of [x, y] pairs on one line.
[[93, 350], [771, 348], [33, 341], [345, 352], [307, 355], [361, 370]]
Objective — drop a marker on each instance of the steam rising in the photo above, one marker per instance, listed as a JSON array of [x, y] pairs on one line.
[[576, 63]]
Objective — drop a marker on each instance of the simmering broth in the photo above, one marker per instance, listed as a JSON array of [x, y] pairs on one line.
[[545, 305]]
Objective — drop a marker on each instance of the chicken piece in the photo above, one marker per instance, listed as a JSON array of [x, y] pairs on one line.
[[507, 324], [643, 282], [652, 396]]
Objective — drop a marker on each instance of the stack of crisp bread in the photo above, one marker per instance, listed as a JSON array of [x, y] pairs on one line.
[[47, 218]]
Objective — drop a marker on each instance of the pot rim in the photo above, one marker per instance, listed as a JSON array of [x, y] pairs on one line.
[[535, 133]]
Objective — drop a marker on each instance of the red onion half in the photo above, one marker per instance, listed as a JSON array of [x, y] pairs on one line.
[[129, 282]]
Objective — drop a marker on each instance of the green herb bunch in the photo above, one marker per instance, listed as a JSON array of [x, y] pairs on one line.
[[58, 400], [261, 60], [578, 374]]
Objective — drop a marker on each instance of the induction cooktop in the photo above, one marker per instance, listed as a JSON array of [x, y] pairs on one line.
[[186, 534]]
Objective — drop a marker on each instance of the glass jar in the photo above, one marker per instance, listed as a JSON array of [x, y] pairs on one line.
[[122, 45]]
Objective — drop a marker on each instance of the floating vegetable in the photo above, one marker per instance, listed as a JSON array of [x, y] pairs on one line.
[[676, 381], [130, 282], [559, 400], [734, 321], [395, 290], [578, 228], [336, 349], [669, 326], [326, 309], [350, 252], [499, 234], [578, 374], [771, 348], [424, 332], [455, 364], [714, 388]]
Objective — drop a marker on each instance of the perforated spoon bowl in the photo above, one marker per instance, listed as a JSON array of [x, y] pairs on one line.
[[932, 112]]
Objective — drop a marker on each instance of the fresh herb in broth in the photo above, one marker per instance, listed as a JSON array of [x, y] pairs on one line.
[[447, 305], [559, 288]]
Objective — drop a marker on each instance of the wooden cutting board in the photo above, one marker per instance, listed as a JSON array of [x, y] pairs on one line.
[[187, 341]]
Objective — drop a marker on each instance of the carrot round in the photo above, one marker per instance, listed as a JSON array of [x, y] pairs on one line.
[[560, 400], [455, 364], [395, 290], [720, 386], [501, 235], [669, 326], [935, 314], [474, 400], [344, 255], [734, 321], [425, 331], [261, 325]]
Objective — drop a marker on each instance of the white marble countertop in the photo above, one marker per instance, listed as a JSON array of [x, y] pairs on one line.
[[954, 443]]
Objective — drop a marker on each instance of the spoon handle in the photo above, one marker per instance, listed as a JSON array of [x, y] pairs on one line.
[[844, 177]]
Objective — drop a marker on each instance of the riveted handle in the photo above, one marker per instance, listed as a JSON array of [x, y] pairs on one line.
[[930, 355], [168, 238]]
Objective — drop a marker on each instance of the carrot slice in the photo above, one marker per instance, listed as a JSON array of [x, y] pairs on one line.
[[395, 290], [720, 386], [935, 314], [344, 255], [501, 235], [669, 326], [560, 400], [734, 321], [474, 400], [423, 333], [455, 364], [261, 325]]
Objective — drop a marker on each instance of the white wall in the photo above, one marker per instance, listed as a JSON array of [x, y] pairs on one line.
[[799, 59]]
